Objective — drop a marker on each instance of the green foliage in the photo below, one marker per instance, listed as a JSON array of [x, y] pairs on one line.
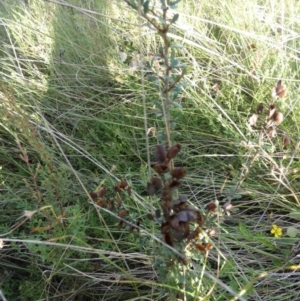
[[165, 70]]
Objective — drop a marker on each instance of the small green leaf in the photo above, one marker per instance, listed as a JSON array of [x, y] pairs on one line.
[[172, 55], [178, 46], [175, 18], [176, 115], [152, 78], [160, 50], [177, 105], [173, 4], [277, 262], [157, 105], [174, 135], [149, 64], [286, 252], [146, 6], [292, 231], [174, 63], [163, 4], [295, 214], [236, 197]]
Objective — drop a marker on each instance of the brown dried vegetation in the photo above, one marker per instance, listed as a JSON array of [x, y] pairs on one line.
[[180, 222], [267, 124]]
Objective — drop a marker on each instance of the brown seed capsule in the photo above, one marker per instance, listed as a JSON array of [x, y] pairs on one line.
[[184, 261], [286, 141], [173, 151], [122, 184], [157, 183], [211, 207], [150, 216], [101, 192], [200, 247], [118, 199], [165, 227], [160, 154], [122, 213], [260, 108], [277, 118], [157, 213], [168, 239], [279, 90], [151, 189], [161, 168], [117, 188], [102, 203], [194, 234], [120, 225], [174, 184], [178, 173], [208, 246], [111, 205], [93, 195]]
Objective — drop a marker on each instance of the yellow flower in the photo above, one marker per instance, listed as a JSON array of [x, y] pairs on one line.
[[277, 231]]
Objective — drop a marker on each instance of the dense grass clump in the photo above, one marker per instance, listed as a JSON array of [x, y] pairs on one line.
[[93, 95]]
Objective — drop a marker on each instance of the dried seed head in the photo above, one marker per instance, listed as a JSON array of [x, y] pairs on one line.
[[260, 108], [168, 239], [150, 216], [227, 206], [102, 203], [211, 206], [118, 199], [174, 184], [111, 205], [200, 247], [93, 195], [102, 191], [277, 118], [173, 151], [160, 153], [279, 90], [286, 141], [161, 168], [253, 119], [178, 173], [154, 186], [122, 213]]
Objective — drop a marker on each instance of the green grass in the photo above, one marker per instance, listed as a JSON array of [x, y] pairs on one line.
[[72, 106]]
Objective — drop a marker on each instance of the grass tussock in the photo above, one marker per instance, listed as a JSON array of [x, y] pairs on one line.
[[76, 107]]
